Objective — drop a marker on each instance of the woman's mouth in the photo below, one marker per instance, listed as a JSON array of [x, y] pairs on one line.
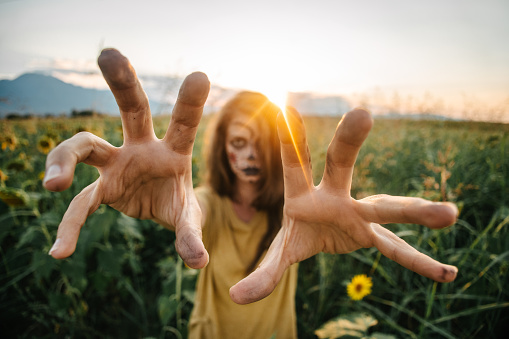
[[251, 171]]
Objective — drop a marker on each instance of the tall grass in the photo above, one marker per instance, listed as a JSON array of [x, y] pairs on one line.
[[126, 280], [466, 163]]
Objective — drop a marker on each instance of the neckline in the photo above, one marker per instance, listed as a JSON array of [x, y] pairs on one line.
[[253, 220]]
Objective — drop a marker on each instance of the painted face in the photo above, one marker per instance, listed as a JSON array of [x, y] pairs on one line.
[[242, 150]]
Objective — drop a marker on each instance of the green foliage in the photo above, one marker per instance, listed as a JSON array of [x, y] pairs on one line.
[[463, 162], [126, 280]]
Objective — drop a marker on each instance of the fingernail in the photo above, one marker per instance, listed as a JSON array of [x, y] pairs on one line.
[[454, 270], [452, 273], [55, 246], [52, 172]]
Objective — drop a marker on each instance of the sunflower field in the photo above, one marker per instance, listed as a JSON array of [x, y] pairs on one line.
[[125, 279]]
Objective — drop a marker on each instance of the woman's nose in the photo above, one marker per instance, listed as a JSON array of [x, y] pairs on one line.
[[252, 153]]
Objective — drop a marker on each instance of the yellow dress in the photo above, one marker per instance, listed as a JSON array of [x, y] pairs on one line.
[[232, 245]]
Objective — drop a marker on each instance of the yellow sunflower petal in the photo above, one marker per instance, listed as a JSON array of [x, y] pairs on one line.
[[359, 287]]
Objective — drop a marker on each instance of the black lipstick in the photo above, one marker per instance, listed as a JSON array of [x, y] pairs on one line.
[[251, 171]]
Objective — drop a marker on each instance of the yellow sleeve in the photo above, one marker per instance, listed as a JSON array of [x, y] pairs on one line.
[[208, 200]]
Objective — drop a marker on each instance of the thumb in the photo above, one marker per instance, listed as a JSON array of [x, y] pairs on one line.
[[187, 213], [190, 246], [265, 278]]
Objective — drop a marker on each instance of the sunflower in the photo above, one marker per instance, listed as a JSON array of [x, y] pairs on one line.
[[359, 287], [45, 144], [14, 197], [18, 165], [3, 176], [10, 142]]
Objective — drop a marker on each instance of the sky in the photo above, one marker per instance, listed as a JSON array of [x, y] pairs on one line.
[[448, 54]]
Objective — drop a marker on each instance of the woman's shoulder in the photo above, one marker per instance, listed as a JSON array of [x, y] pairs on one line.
[[215, 213], [205, 193], [209, 198]]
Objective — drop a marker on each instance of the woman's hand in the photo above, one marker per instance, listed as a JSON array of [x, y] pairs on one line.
[[147, 177], [325, 218]]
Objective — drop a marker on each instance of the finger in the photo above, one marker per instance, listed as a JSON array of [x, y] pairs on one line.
[[131, 99], [265, 278], [351, 132], [68, 232], [383, 209], [187, 220], [398, 250], [294, 153], [187, 112], [61, 162], [189, 245]]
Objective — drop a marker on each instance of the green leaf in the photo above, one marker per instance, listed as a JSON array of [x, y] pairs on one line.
[[110, 260], [167, 306], [59, 303], [472, 311], [28, 236], [50, 218], [378, 335], [134, 263], [44, 265], [75, 270], [129, 227], [189, 295], [6, 228], [101, 222], [100, 282]]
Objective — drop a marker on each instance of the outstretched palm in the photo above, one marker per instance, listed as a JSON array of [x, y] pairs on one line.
[[326, 218], [146, 177]]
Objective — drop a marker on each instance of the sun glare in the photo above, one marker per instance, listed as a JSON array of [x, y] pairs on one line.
[[277, 96], [280, 99]]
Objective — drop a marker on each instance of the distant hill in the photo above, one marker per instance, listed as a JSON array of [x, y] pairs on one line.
[[417, 116], [40, 94], [314, 104]]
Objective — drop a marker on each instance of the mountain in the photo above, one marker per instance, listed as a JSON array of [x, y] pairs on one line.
[[40, 94], [316, 104], [43, 94]]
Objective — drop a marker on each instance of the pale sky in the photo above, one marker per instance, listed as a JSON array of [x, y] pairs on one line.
[[448, 50]]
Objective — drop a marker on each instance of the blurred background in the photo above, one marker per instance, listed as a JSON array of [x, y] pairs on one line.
[[437, 58], [435, 74]]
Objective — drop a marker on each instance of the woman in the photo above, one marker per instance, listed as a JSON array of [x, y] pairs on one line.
[[150, 178], [242, 205]]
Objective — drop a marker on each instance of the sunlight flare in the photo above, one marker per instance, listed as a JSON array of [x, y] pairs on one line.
[[280, 99]]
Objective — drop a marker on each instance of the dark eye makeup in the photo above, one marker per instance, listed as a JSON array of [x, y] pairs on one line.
[[238, 142]]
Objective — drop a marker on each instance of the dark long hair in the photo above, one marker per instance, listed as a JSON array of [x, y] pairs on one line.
[[219, 175]]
